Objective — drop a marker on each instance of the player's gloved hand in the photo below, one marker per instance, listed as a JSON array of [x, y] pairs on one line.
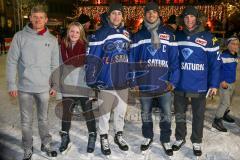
[[170, 87]]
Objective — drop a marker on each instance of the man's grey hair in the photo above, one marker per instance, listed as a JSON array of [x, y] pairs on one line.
[[39, 8]]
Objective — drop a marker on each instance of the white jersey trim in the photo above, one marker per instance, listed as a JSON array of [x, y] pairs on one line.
[[144, 41], [113, 36], [187, 43], [229, 60]]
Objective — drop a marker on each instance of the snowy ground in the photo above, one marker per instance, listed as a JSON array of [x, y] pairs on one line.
[[216, 146]]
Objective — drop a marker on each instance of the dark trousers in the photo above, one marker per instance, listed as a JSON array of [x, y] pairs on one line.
[[198, 109], [68, 104]]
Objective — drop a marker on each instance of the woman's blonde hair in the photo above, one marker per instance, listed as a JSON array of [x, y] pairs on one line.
[[82, 37]]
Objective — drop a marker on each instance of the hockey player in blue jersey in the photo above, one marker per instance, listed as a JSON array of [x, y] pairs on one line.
[[155, 46], [227, 83], [200, 66], [107, 65]]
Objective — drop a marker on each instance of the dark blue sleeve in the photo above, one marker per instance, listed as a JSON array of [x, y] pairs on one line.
[[134, 60], [174, 67], [93, 60]]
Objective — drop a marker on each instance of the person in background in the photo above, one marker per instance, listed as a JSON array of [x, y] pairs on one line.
[[199, 75], [228, 70], [33, 56], [73, 52], [85, 21], [103, 21], [2, 42], [171, 23], [161, 19]]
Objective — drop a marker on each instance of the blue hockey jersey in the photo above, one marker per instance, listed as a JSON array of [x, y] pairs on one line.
[[161, 66], [107, 58], [199, 62], [228, 67]]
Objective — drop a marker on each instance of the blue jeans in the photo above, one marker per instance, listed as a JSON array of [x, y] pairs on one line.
[[165, 103], [26, 102]]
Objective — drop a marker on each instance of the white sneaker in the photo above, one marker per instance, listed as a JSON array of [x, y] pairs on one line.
[[197, 149], [178, 144], [167, 148], [146, 144]]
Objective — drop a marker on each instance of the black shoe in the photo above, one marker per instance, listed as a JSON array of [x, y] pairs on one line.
[[197, 149], [217, 124], [105, 144], [146, 144], [227, 117], [28, 154], [48, 150], [91, 142], [178, 144], [118, 139], [167, 148], [65, 144]]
